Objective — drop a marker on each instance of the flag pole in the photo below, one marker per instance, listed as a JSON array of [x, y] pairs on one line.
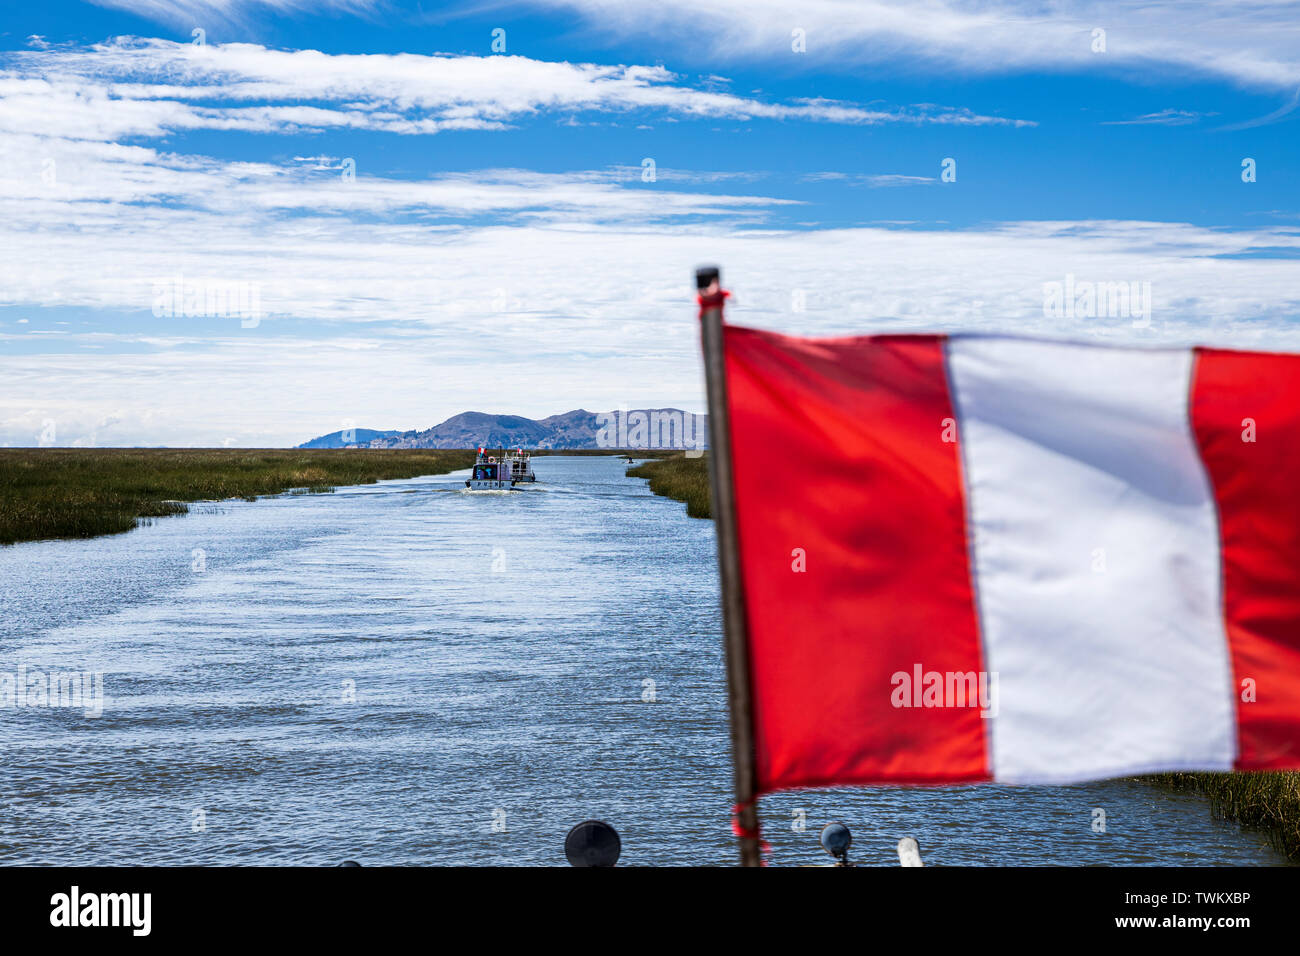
[[708, 282]]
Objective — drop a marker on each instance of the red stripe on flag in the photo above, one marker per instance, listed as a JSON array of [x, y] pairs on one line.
[[839, 454], [1255, 484]]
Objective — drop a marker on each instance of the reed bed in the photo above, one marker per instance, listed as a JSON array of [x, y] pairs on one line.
[[80, 493], [681, 478], [1269, 802]]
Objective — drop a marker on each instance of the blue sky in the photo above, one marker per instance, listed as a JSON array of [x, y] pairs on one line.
[[423, 225]]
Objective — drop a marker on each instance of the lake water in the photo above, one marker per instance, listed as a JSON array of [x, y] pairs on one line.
[[408, 673]]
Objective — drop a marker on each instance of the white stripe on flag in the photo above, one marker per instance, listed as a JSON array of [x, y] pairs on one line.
[[1096, 560]]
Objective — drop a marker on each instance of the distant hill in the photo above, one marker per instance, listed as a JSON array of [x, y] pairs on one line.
[[357, 438], [635, 428]]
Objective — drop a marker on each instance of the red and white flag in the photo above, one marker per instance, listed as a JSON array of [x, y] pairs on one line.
[[978, 558]]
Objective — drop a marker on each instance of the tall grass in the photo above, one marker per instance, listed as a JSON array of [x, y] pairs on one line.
[[1269, 802], [681, 478], [79, 493]]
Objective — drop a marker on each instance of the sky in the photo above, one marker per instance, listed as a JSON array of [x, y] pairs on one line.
[[251, 222]]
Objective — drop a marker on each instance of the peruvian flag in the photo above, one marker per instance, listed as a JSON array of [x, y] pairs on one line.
[[975, 558]]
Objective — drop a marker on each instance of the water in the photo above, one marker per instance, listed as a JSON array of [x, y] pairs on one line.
[[499, 649]]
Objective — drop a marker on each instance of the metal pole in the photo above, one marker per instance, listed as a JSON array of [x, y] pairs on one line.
[[722, 488]]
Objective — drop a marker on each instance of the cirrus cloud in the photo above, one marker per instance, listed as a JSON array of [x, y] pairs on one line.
[[1252, 42], [134, 87]]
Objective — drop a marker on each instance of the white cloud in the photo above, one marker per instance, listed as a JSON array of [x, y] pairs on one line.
[[1284, 110], [391, 301], [52, 184], [186, 13], [1166, 117], [875, 181], [405, 322], [132, 87], [1252, 42]]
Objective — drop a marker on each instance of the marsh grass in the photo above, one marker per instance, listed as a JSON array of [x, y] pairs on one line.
[[681, 478], [1267, 801], [80, 493]]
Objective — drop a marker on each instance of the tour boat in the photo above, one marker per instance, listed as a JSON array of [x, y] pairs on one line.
[[500, 474]]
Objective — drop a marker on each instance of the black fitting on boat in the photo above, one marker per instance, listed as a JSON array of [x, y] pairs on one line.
[[592, 843]]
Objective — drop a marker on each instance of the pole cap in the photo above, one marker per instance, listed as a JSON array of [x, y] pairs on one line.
[[706, 276]]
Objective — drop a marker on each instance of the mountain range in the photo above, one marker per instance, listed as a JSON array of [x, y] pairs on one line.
[[630, 428]]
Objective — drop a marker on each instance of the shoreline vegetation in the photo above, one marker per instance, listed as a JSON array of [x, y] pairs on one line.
[[1267, 802], [48, 493], [680, 478]]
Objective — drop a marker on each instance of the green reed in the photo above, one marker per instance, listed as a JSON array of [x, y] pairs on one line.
[[80, 493], [681, 478], [1266, 801]]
